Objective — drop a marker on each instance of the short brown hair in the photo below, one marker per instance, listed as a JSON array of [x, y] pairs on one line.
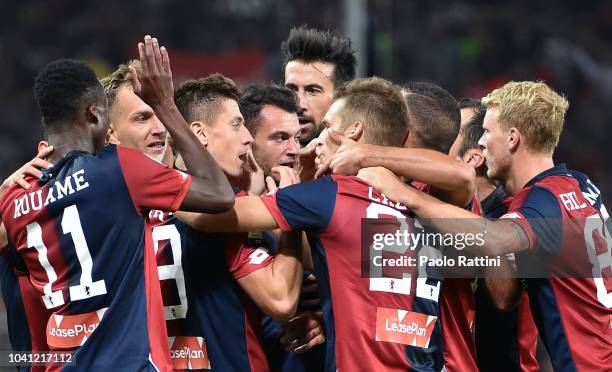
[[378, 104], [118, 78], [534, 109], [203, 97]]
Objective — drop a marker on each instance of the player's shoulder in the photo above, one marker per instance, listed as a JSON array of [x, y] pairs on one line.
[[349, 184], [561, 179], [569, 186], [323, 186], [544, 193]]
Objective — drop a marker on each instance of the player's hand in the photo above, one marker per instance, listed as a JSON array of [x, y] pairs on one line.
[[384, 181], [347, 158], [154, 86], [303, 332], [31, 168], [286, 176], [307, 166], [254, 175], [309, 296]]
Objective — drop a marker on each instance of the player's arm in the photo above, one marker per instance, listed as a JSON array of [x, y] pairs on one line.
[[275, 288], [3, 235], [303, 332], [249, 214], [210, 190], [500, 237], [453, 181], [504, 292], [501, 284]]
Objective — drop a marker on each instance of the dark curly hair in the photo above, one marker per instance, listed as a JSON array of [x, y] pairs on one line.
[[60, 89]]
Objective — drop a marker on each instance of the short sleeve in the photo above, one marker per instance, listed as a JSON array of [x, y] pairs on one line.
[[423, 187], [243, 257], [303, 206], [151, 184], [537, 211]]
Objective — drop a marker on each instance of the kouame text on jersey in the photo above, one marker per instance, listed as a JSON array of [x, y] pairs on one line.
[[372, 324], [81, 232], [563, 216], [212, 324]]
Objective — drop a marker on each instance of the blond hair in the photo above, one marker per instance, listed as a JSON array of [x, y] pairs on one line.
[[534, 109], [118, 78]]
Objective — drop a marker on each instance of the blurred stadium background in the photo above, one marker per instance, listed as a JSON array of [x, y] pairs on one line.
[[468, 47]]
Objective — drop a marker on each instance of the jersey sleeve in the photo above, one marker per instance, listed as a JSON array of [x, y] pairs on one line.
[[243, 257], [151, 184], [423, 187], [538, 213], [303, 206]]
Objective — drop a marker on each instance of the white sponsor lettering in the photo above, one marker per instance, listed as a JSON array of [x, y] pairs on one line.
[[410, 329], [75, 331], [186, 352]]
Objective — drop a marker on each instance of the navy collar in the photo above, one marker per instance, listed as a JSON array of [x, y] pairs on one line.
[[554, 171], [47, 174]]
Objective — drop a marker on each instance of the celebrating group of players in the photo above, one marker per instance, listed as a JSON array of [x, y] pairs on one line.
[[205, 227]]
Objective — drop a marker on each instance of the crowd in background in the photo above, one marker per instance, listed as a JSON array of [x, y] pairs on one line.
[[467, 47]]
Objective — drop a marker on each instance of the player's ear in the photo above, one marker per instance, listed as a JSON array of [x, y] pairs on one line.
[[408, 141], [201, 131], [355, 131], [93, 115], [514, 139], [112, 136], [42, 145], [474, 157]]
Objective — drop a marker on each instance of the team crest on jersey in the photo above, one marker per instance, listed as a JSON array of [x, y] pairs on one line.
[[189, 353], [404, 327], [70, 331]]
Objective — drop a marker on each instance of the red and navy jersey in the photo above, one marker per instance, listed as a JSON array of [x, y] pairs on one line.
[[212, 324], [81, 233], [505, 340], [279, 359], [372, 323], [18, 329], [562, 214], [457, 311], [26, 315]]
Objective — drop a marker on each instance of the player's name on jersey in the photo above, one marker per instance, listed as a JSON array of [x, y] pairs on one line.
[[426, 261], [55, 191], [385, 201]]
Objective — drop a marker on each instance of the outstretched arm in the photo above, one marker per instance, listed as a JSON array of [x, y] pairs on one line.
[[249, 214], [500, 236], [453, 181], [210, 190]]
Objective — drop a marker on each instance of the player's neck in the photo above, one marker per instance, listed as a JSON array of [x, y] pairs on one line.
[[65, 142], [524, 169], [484, 187]]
